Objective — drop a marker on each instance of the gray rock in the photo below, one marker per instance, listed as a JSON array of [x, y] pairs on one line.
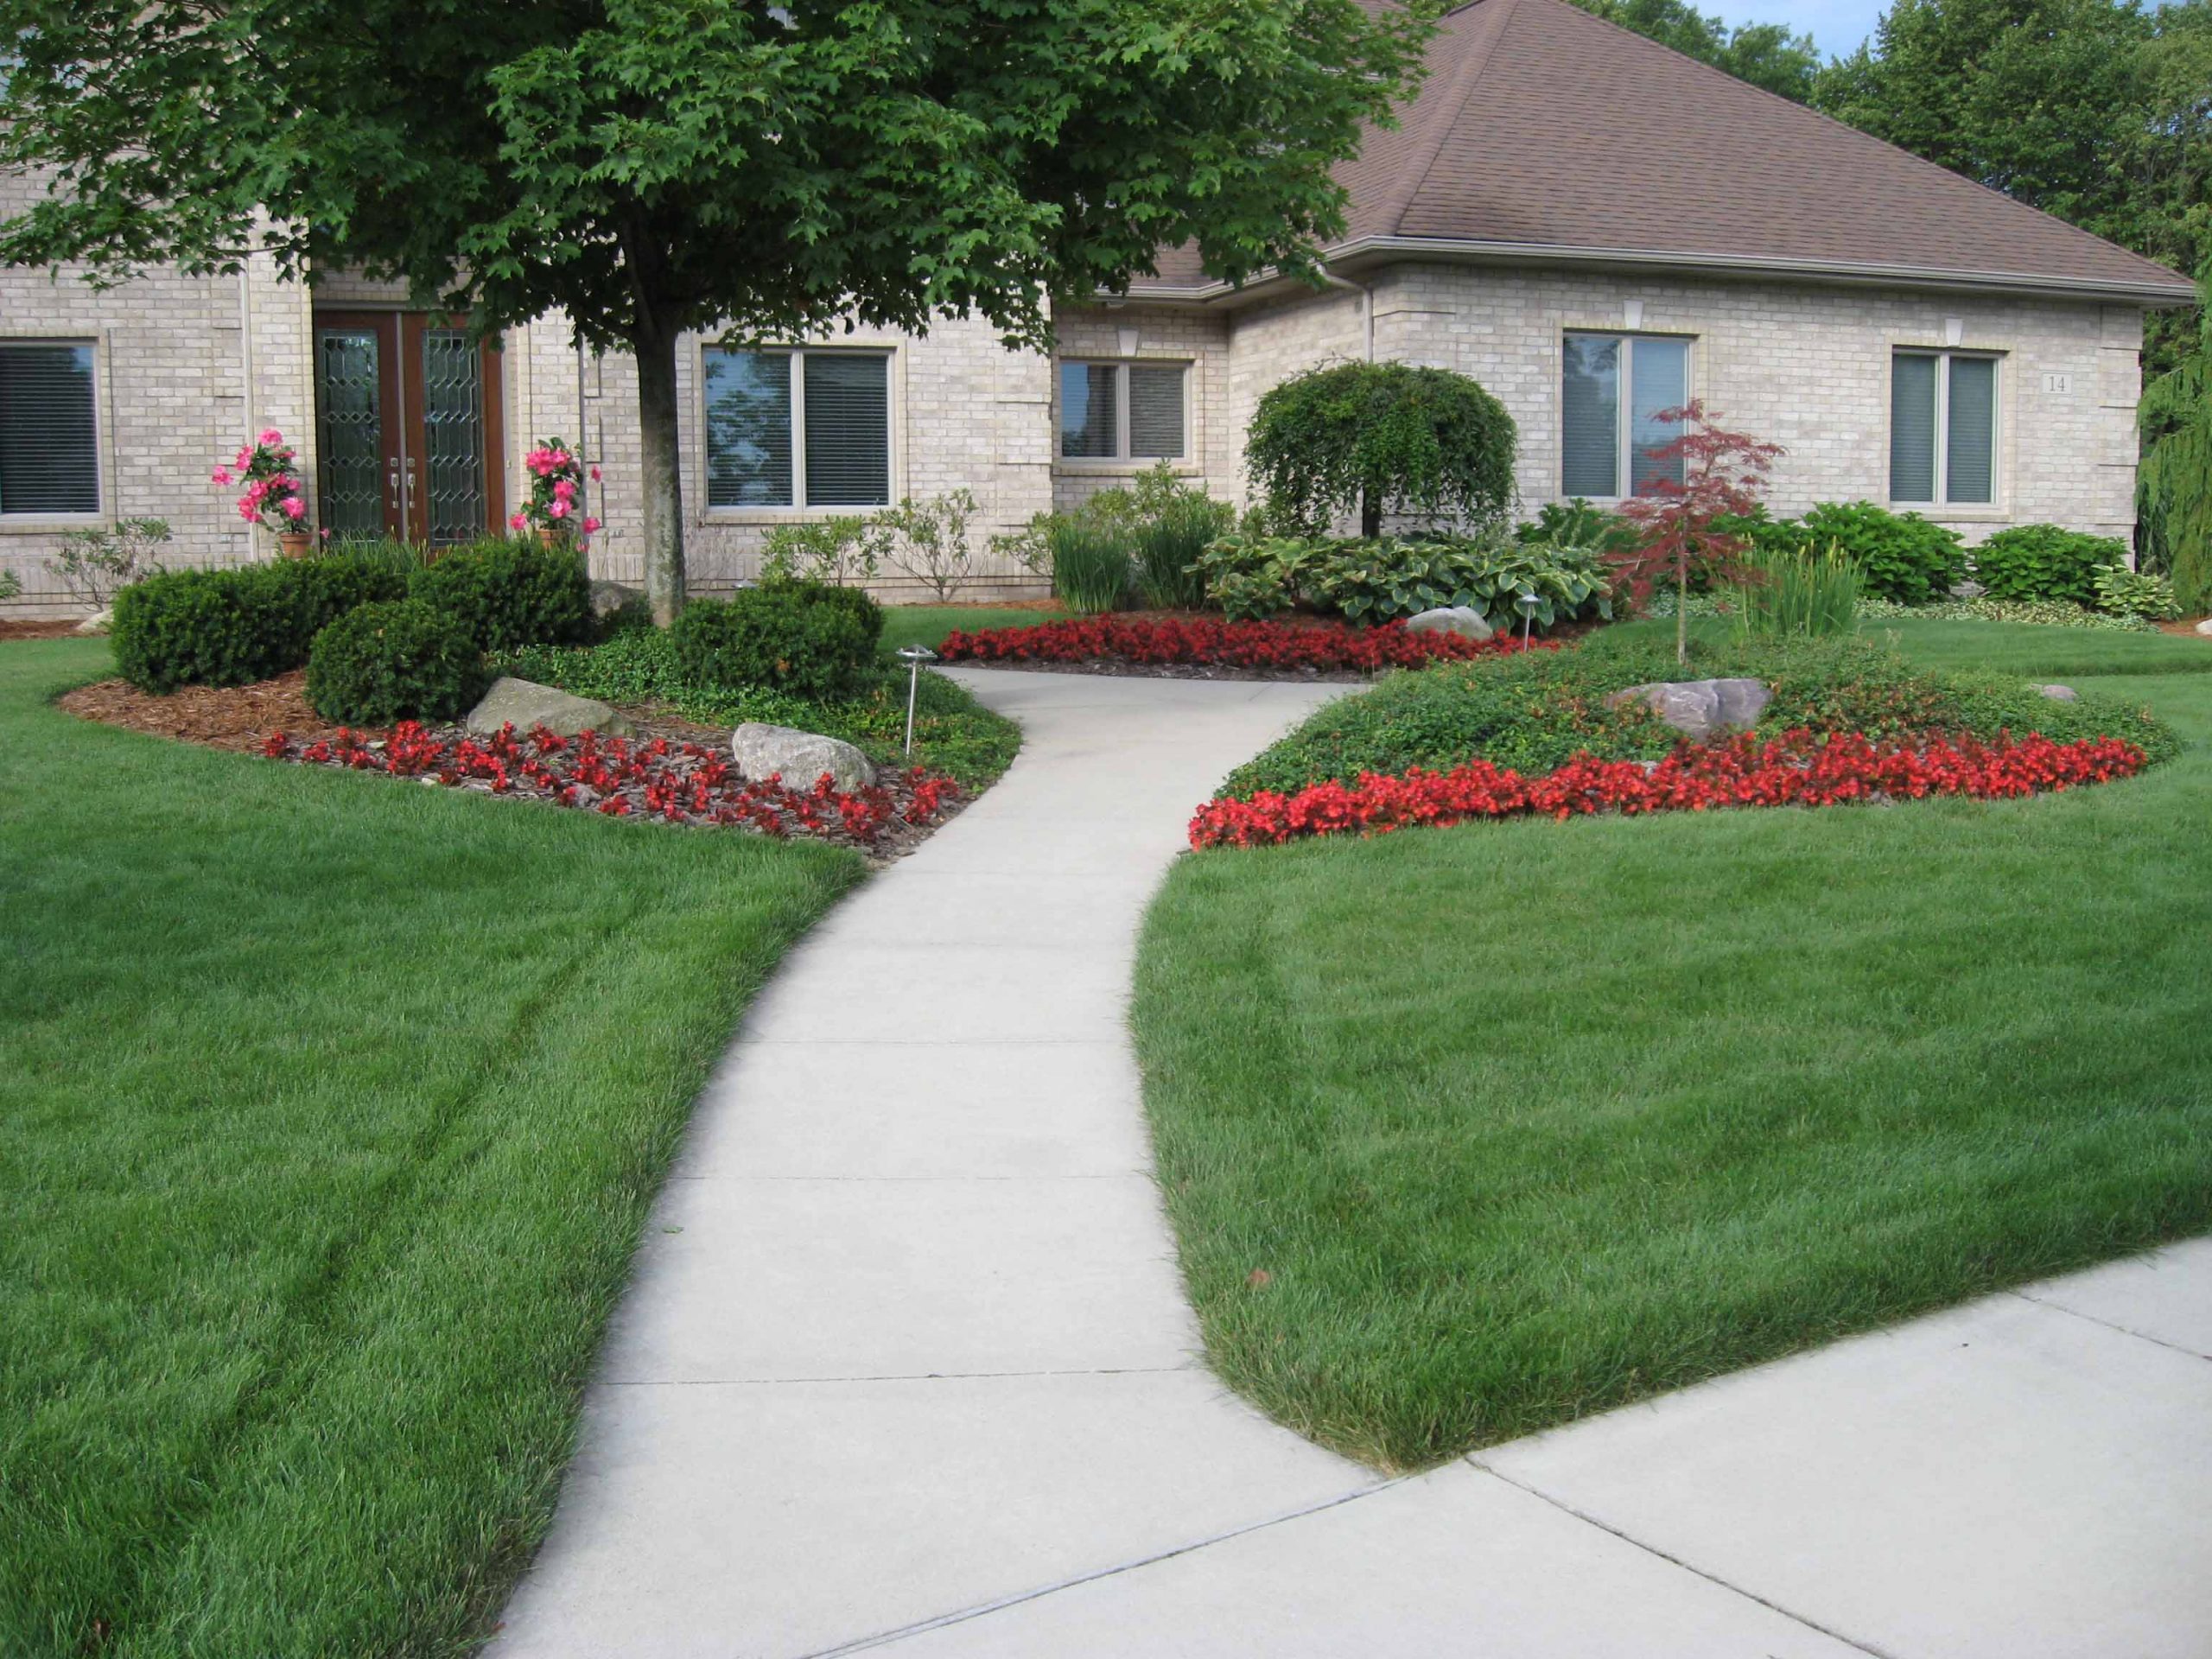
[[525, 704], [1451, 619], [1700, 710], [1968, 589], [99, 621], [609, 597], [2060, 693], [799, 758], [2205, 626]]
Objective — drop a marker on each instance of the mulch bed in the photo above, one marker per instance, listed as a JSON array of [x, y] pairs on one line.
[[24, 628], [671, 771]]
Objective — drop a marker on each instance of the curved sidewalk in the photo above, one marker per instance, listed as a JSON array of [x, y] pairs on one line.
[[906, 1362]]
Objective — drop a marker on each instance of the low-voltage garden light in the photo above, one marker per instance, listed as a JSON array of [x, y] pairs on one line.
[[1525, 601], [914, 657]]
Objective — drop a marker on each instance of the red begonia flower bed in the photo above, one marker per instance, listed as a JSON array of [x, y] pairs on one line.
[[676, 782], [1215, 642], [1799, 768]]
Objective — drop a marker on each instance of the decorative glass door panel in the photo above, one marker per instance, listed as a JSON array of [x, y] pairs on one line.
[[408, 428]]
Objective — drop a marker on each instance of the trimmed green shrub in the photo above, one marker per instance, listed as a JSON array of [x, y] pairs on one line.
[[855, 601], [511, 591], [2045, 561], [1900, 555], [1382, 438], [1091, 566], [232, 627], [785, 638], [395, 660], [1374, 581]]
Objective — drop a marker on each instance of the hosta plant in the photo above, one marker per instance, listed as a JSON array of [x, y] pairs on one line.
[[2123, 592]]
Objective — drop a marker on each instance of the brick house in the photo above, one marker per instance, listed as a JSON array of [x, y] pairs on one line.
[[1590, 225]]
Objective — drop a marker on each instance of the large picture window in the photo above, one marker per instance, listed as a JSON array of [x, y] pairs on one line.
[[49, 432], [1613, 390], [1942, 429], [1122, 411], [798, 428]]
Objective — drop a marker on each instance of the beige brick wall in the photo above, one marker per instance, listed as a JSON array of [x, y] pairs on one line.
[[1809, 369], [1213, 437]]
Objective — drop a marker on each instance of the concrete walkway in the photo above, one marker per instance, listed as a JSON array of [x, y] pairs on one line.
[[906, 1362]]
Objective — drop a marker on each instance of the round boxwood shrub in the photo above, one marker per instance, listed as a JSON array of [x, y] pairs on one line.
[[783, 638], [1382, 438], [2045, 561], [1901, 556], [509, 592], [232, 627], [382, 664]]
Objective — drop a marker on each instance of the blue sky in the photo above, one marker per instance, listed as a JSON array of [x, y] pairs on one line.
[[1838, 25]]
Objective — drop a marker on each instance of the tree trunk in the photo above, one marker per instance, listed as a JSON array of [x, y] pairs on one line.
[[661, 462], [1683, 606], [1370, 513]]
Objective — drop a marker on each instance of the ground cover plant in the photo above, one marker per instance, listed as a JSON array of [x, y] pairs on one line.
[[1369, 581], [1470, 1132], [331, 1111], [1208, 642]]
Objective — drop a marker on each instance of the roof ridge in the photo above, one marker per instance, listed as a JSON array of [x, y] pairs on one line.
[[1466, 75], [1858, 133]]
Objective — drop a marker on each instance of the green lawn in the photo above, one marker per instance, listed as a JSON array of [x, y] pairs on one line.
[[330, 1108], [927, 624], [2031, 650], [1522, 1121]]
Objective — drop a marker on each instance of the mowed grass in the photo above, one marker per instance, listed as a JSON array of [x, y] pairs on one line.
[[1468, 1132], [927, 624], [330, 1108]]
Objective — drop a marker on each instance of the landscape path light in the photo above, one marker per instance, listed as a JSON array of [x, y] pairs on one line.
[[1526, 601], [914, 657]]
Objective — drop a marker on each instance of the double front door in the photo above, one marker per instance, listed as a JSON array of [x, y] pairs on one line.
[[408, 437]]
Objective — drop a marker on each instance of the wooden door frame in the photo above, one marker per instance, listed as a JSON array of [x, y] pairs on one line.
[[391, 409]]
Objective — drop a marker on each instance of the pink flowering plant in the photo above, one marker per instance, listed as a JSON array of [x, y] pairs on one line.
[[272, 494], [557, 478]]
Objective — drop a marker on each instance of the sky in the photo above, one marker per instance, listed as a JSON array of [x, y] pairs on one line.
[[1837, 25]]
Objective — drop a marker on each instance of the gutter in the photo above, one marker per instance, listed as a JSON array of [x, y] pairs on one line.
[[1369, 249]]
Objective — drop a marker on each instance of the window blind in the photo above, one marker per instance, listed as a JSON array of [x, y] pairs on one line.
[[1155, 411], [1659, 379], [1912, 426], [1089, 417], [848, 429], [748, 428], [49, 439], [1590, 409], [1970, 442]]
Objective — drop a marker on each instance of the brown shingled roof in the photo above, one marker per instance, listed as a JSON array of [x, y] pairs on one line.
[[1542, 128]]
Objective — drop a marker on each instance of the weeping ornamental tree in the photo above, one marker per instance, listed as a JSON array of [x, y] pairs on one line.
[[1382, 438], [2173, 488], [650, 167]]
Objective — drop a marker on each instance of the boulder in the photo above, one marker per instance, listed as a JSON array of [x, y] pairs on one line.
[[799, 758], [99, 621], [1700, 710], [1451, 619], [2060, 693], [523, 704], [609, 597], [1968, 589], [2205, 626]]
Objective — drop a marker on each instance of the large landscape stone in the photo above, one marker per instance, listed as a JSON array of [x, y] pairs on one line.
[[799, 758], [609, 597], [1700, 710], [2060, 693], [2205, 626], [525, 704], [99, 621], [1463, 619]]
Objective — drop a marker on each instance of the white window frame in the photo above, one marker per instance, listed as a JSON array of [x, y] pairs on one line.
[[1624, 403], [1121, 460], [1943, 354], [793, 368], [37, 523]]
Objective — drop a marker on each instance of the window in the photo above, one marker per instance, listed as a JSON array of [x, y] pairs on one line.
[[1122, 411], [798, 428], [1942, 428], [49, 437], [1606, 374]]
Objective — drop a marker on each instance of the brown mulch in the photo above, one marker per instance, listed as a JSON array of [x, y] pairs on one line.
[[24, 628], [2187, 627], [236, 717]]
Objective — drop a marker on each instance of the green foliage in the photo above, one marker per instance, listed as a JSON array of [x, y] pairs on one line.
[[1795, 592], [1092, 569], [2173, 489], [2038, 613], [1580, 523], [232, 627], [1900, 555], [1379, 439], [1534, 712], [2123, 592], [10, 584], [510, 591], [790, 638], [401, 659], [1160, 522], [1169, 543], [1766, 54], [95, 564], [1374, 581], [847, 547], [2045, 561]]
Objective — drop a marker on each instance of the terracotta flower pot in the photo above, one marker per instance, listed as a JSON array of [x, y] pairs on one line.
[[295, 542], [551, 535]]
